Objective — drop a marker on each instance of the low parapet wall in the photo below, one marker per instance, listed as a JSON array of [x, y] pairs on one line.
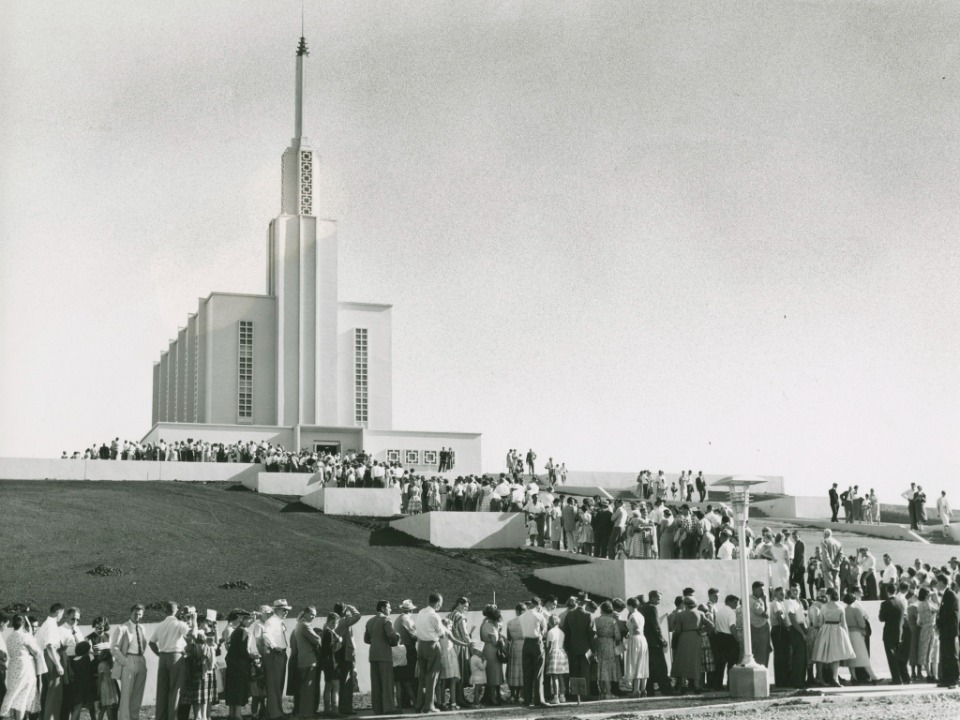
[[791, 506], [482, 530], [892, 532], [124, 470], [628, 578], [297, 484], [624, 480], [366, 502]]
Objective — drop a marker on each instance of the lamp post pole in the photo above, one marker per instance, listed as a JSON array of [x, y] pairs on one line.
[[748, 679]]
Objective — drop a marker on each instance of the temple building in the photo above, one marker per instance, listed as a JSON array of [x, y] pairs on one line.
[[295, 366]]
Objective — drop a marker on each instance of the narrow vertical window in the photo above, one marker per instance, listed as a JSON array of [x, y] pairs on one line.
[[361, 414], [196, 375], [245, 372]]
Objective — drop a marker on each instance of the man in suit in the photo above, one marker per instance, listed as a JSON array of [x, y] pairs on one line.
[[602, 523], [569, 520], [834, 502], [656, 644], [948, 625], [893, 617], [381, 636], [304, 642], [129, 650], [346, 655], [578, 634], [798, 566]]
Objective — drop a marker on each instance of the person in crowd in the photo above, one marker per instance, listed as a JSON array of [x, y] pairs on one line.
[[557, 663], [239, 663], [429, 630], [382, 637], [780, 638], [798, 564], [108, 690], [578, 636], [727, 651], [656, 645], [585, 528], [200, 686], [169, 642], [346, 655], [602, 527], [893, 617], [927, 606], [304, 643], [618, 525], [494, 648], [608, 637], [858, 626], [759, 625], [515, 661], [686, 625], [834, 502], [944, 513], [75, 690], [831, 553], [636, 660], [797, 622], [404, 672], [832, 645], [129, 652], [463, 648], [948, 625], [275, 648], [330, 643], [51, 668], [533, 625], [22, 698]]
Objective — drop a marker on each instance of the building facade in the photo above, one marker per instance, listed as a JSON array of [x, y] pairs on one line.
[[295, 365]]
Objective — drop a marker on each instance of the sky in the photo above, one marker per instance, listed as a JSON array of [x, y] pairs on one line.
[[710, 235]]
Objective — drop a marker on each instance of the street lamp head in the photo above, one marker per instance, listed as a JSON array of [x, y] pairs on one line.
[[739, 487]]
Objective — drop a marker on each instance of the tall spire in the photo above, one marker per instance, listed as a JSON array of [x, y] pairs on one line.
[[298, 119]]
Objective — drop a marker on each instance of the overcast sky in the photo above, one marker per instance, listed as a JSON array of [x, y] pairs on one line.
[[708, 235]]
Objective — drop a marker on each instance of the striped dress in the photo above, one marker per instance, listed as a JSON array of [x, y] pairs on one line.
[[557, 662], [515, 661]]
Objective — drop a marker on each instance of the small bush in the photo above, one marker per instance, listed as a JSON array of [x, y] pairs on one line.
[[236, 585], [104, 571]]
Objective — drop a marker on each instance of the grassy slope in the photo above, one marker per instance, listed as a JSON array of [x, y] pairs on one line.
[[183, 540]]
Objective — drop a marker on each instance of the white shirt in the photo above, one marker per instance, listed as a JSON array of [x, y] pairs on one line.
[[274, 633], [429, 626], [169, 635], [132, 632], [69, 637], [619, 518], [726, 551], [725, 619], [533, 624], [889, 574], [795, 607], [49, 635]]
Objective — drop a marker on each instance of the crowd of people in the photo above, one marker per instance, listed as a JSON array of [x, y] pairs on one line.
[[427, 661], [859, 508]]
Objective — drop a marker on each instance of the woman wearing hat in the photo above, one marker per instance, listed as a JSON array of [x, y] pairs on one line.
[[404, 676], [239, 663], [200, 688], [688, 661]]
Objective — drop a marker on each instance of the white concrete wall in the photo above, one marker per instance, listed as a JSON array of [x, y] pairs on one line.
[[625, 578], [893, 532], [226, 433], [465, 445], [796, 507], [484, 530], [365, 502], [377, 319], [123, 470], [280, 483], [621, 480]]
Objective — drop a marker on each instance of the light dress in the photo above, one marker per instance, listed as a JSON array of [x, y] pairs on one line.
[[636, 660], [833, 639], [608, 636], [22, 692], [857, 627], [780, 567], [557, 662]]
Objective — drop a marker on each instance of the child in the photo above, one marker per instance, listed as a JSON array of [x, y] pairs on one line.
[[83, 681], [557, 663], [108, 689], [478, 673], [673, 490], [532, 531]]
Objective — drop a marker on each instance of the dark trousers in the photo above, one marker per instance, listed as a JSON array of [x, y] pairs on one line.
[[307, 691], [344, 668], [381, 687], [428, 671], [579, 674], [798, 658], [51, 694], [834, 508], [170, 676], [600, 543], [724, 657], [949, 669], [612, 543], [658, 669], [899, 673], [533, 672], [780, 637]]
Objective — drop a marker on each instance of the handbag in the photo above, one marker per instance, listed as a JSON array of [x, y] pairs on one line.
[[619, 649], [502, 654], [353, 685], [399, 655]]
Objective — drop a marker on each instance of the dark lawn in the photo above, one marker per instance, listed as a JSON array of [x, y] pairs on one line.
[[182, 541]]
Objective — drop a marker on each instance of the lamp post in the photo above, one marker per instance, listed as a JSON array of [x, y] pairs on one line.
[[748, 679]]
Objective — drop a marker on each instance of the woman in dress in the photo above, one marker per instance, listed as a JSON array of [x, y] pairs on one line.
[[688, 658], [780, 564], [636, 661], [585, 529], [857, 627], [667, 536], [557, 663], [330, 643], [414, 499], [23, 697], [463, 648], [608, 638], [913, 617], [491, 635], [201, 684], [515, 663], [832, 645], [927, 608], [239, 663]]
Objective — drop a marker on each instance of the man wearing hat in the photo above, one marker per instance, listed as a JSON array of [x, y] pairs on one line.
[[304, 643], [346, 655], [275, 645]]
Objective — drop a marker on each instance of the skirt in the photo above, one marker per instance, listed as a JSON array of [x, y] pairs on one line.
[[636, 660], [494, 669], [706, 653], [608, 664], [557, 663], [449, 663], [237, 679], [862, 658], [201, 689], [515, 664], [832, 644], [415, 505]]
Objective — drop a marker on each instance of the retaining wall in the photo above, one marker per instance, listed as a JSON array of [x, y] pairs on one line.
[[366, 502], [483, 530]]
